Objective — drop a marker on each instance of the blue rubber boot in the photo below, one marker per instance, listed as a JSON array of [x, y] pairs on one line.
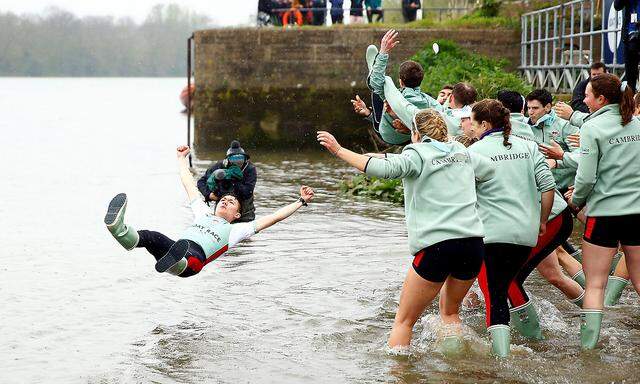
[[590, 323]]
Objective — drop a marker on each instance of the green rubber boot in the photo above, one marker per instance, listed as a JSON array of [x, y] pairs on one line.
[[178, 268], [452, 345], [578, 300], [175, 260], [614, 263], [525, 320], [579, 278], [577, 255], [370, 56], [500, 340], [114, 219], [590, 322], [615, 286]]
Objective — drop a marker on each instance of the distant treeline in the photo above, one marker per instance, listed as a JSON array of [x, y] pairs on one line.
[[58, 43]]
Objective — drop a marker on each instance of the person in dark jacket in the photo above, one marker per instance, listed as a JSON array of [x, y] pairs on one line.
[[577, 100], [319, 11], [410, 10], [374, 7], [337, 13], [234, 175], [357, 12], [264, 13], [630, 38]]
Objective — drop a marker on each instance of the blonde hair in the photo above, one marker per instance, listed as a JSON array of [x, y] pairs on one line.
[[430, 123], [465, 140]]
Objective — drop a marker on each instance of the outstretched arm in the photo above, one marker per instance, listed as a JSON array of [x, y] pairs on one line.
[[377, 76], [408, 164], [185, 174], [306, 193], [331, 144]]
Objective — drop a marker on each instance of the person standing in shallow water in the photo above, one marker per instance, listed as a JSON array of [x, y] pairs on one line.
[[445, 232], [608, 184], [209, 237], [511, 208], [236, 175]]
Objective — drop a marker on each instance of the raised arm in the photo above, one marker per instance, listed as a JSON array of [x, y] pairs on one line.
[[306, 195], [185, 174], [377, 76], [400, 106]]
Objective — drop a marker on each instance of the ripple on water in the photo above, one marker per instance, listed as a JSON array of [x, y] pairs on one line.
[[311, 300]]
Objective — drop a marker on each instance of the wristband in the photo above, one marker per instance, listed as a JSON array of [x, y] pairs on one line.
[[304, 203]]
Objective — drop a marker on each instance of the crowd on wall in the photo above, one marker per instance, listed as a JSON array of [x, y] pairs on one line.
[[315, 12]]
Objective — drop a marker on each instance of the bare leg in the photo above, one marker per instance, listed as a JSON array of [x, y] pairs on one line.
[[451, 296], [596, 261], [632, 256], [549, 268], [568, 263], [416, 294]]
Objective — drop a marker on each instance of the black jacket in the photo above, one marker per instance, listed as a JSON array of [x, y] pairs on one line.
[[241, 188], [626, 16], [577, 100]]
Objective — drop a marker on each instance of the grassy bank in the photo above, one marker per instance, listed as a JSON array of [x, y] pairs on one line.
[[451, 65], [381, 189]]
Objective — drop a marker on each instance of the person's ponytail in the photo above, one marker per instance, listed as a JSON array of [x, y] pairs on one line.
[[506, 132], [495, 113], [615, 92], [627, 105]]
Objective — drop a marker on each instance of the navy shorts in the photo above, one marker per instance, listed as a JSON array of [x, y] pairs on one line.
[[459, 258], [609, 231]]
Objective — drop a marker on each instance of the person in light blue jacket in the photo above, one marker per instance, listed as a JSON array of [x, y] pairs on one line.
[[514, 207], [445, 233], [607, 183]]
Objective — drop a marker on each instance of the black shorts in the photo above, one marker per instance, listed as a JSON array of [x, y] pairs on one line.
[[460, 258], [609, 231]]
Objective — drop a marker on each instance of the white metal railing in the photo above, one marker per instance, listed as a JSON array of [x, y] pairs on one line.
[[559, 43]]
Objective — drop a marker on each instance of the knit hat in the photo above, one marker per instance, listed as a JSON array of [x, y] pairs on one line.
[[236, 149]]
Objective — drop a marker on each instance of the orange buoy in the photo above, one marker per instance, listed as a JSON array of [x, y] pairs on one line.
[[184, 95], [296, 13]]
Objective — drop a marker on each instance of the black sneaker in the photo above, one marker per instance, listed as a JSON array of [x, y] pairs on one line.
[[174, 255]]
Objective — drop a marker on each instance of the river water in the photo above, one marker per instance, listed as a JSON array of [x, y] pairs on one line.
[[310, 300]]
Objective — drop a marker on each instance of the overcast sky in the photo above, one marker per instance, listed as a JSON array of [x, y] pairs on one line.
[[223, 12]]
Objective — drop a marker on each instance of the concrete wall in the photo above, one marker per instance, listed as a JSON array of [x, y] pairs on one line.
[[273, 87]]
